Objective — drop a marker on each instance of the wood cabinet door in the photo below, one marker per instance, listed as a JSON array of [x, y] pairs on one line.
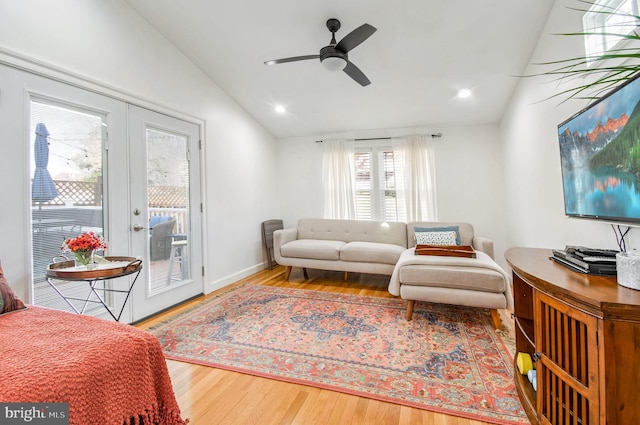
[[567, 371]]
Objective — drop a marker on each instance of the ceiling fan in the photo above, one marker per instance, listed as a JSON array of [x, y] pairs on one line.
[[335, 56]]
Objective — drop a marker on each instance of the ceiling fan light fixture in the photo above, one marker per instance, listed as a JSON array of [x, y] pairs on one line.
[[334, 63], [335, 56]]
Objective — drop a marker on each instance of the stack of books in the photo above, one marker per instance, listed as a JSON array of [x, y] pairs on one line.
[[587, 260]]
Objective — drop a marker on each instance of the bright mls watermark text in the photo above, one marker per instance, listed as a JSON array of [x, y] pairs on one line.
[[34, 413]]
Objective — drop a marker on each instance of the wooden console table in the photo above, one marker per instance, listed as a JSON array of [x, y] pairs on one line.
[[585, 332]]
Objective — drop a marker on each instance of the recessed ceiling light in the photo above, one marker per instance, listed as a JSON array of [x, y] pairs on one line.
[[280, 109], [464, 92]]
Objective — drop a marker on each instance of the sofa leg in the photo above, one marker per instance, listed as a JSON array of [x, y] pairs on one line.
[[304, 273], [287, 273], [346, 276], [409, 314], [495, 319]]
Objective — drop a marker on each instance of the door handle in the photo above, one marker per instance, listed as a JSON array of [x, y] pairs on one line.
[[138, 227]]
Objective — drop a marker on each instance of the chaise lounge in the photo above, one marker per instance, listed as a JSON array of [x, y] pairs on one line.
[[474, 282]]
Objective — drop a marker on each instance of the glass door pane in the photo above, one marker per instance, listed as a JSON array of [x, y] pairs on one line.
[[67, 156], [168, 208]]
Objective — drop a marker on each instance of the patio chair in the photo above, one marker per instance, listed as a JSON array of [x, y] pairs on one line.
[[160, 231]]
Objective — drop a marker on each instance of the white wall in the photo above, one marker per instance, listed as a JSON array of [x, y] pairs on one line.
[[504, 180], [468, 174], [106, 42], [535, 208]]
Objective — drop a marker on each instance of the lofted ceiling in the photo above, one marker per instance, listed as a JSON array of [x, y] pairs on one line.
[[422, 52]]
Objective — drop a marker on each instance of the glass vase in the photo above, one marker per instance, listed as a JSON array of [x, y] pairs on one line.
[[84, 258]]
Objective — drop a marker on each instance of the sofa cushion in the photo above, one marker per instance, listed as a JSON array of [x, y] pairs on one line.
[[436, 238], [371, 252], [8, 300], [312, 249], [353, 230], [439, 229], [157, 219], [452, 277], [465, 231]]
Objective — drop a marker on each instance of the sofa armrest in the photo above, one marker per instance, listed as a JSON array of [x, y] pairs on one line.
[[281, 237], [483, 244]]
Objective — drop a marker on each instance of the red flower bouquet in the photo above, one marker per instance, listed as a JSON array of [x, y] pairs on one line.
[[83, 246]]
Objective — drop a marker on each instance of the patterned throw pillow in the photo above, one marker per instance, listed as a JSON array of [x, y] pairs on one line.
[[436, 238], [8, 299], [441, 229]]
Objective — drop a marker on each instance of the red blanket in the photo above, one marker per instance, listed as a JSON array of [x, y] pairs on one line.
[[109, 373]]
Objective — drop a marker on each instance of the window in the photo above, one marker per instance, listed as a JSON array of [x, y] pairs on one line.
[[374, 181], [377, 170], [605, 24]]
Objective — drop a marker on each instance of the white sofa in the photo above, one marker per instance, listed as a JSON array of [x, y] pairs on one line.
[[341, 245], [388, 248]]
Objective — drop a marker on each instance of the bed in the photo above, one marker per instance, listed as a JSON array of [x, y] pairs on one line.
[[108, 372]]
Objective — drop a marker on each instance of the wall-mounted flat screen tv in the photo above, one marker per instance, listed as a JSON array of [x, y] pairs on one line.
[[600, 155]]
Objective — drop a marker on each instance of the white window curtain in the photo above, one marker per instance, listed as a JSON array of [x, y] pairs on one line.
[[339, 179], [417, 189]]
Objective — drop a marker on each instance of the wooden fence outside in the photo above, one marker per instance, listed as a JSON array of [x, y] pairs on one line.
[[89, 194]]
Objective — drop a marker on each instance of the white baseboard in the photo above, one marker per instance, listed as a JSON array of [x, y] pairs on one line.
[[233, 278]]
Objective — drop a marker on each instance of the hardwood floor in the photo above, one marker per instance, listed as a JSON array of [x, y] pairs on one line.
[[210, 396]]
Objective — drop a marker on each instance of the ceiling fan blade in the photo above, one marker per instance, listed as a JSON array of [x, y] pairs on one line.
[[292, 59], [354, 72], [355, 37]]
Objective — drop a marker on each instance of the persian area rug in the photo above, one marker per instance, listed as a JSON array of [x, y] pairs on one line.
[[448, 359]]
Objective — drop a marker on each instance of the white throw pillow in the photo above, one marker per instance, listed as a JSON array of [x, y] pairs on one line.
[[436, 238]]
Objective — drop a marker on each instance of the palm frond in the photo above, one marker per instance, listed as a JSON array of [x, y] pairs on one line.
[[608, 69]]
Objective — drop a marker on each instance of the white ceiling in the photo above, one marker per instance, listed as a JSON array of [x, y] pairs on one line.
[[422, 52]]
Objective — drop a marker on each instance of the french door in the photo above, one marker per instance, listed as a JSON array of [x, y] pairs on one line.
[[165, 209], [98, 164]]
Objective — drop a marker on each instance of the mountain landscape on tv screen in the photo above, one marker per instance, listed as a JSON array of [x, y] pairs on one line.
[[600, 155], [614, 143]]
